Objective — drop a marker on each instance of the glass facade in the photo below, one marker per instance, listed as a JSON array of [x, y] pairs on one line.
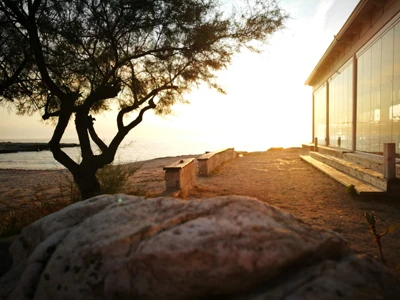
[[378, 93], [340, 108], [378, 98], [320, 115]]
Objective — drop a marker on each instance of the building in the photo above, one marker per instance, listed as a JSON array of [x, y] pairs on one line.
[[356, 83]]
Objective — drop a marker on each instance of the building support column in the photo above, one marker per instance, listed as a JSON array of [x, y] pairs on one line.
[[354, 106], [327, 114], [389, 161], [313, 116]]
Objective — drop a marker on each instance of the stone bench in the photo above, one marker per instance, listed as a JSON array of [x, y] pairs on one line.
[[208, 162], [181, 174]]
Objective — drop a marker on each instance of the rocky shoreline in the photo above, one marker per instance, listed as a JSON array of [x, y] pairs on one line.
[[9, 147]]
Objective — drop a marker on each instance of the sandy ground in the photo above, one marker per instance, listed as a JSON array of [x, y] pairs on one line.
[[277, 177]]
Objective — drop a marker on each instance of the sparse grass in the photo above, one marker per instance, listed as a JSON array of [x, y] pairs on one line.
[[112, 178], [69, 189], [27, 212]]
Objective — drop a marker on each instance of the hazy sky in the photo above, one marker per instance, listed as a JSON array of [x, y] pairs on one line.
[[267, 103]]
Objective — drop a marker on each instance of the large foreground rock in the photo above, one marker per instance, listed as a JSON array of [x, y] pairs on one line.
[[126, 247]]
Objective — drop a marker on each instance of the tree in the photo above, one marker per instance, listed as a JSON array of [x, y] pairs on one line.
[[75, 57]]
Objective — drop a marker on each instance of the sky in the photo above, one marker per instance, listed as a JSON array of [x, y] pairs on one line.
[[266, 105]]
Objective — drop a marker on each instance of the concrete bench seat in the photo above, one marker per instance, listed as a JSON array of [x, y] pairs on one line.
[[208, 162], [181, 174]]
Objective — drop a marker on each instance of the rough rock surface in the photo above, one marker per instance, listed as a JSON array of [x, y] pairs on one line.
[[126, 247]]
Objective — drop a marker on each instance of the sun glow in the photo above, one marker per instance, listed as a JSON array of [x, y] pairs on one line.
[[267, 104]]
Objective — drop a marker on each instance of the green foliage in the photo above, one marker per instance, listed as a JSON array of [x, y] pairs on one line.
[[351, 189]]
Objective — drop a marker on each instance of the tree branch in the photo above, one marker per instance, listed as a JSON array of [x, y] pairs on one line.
[[103, 147], [149, 52], [101, 93], [18, 14], [139, 118], [48, 115], [37, 50], [81, 125], [54, 143], [151, 95], [35, 6], [11, 80], [29, 23], [112, 149]]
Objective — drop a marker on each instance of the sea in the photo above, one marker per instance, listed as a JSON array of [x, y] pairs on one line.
[[133, 150]]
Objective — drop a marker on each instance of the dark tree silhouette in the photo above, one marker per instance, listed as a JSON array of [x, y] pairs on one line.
[[74, 57]]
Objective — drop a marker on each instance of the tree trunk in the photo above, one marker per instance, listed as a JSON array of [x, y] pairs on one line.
[[87, 182]]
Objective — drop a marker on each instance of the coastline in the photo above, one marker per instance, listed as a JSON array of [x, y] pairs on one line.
[[18, 186], [145, 161], [12, 147]]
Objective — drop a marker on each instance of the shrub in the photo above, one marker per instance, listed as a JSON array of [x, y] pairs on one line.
[[351, 189], [113, 178]]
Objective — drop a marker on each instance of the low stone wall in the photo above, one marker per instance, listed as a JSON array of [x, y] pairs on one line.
[[208, 162], [181, 174]]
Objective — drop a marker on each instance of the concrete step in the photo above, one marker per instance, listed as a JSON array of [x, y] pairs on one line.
[[367, 175], [361, 187], [372, 161], [332, 151]]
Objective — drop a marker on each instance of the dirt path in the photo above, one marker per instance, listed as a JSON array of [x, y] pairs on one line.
[[278, 178], [282, 179]]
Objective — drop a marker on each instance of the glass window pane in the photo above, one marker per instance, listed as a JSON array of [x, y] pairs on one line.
[[375, 84], [320, 115], [364, 101], [386, 88], [395, 110], [378, 94], [340, 104], [360, 102]]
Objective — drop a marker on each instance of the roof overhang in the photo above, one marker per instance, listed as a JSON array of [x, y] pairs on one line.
[[344, 36]]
